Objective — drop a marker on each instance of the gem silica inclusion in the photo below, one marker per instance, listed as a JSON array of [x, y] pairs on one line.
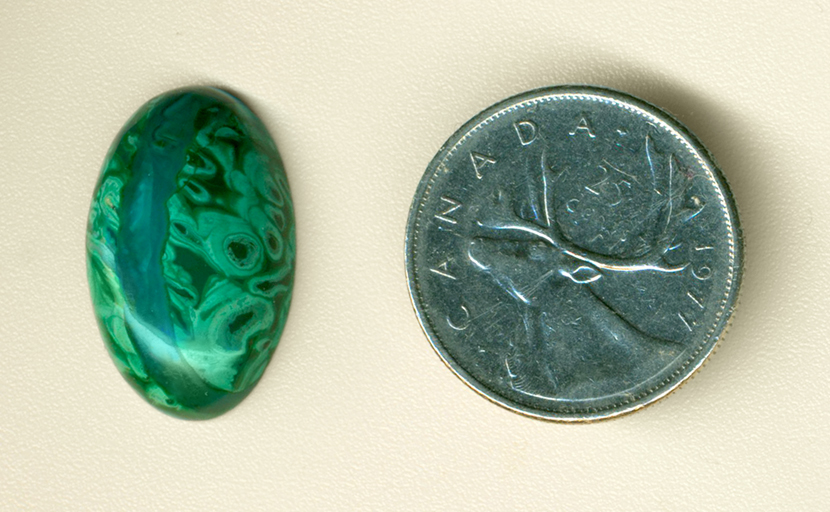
[[190, 251]]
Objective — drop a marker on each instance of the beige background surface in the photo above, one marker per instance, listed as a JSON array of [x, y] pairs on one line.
[[356, 412]]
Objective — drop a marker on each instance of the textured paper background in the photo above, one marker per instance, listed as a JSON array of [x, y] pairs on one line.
[[356, 412]]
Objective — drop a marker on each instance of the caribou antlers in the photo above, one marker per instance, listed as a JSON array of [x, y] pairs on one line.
[[501, 223]]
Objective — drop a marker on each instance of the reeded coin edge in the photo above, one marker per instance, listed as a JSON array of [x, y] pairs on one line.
[[657, 116]]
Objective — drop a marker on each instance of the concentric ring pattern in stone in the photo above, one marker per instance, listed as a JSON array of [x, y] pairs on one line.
[[190, 251]]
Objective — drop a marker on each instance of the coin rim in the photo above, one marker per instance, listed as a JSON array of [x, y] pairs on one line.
[[707, 345]]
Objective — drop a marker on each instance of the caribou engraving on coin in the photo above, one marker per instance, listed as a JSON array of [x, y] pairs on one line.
[[573, 253]]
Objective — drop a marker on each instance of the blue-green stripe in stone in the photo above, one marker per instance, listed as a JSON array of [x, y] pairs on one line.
[[190, 251]]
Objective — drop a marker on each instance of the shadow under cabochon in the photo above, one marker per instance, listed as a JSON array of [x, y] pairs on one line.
[[190, 251]]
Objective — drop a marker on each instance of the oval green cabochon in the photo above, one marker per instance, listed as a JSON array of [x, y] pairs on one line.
[[190, 251]]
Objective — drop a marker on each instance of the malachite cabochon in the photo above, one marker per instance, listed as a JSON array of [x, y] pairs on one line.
[[190, 251]]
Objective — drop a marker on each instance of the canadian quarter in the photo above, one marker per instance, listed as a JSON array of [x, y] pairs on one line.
[[573, 253]]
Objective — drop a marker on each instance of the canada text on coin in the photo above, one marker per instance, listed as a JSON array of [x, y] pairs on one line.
[[573, 253]]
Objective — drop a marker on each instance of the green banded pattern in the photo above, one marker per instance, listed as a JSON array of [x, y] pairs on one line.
[[190, 251]]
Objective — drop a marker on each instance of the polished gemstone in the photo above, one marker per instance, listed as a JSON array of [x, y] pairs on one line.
[[190, 251]]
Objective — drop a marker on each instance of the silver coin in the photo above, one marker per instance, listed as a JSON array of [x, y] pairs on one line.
[[573, 253]]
